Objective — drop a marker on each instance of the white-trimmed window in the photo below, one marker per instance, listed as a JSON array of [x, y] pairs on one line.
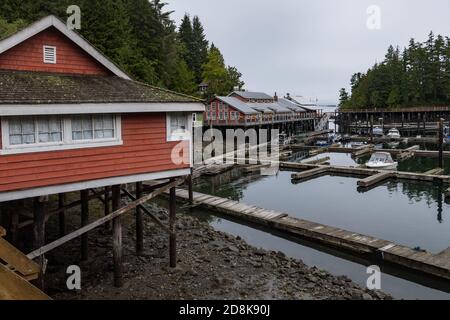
[[93, 127], [178, 126], [48, 133], [24, 131]]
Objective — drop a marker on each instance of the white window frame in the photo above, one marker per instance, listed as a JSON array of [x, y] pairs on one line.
[[67, 142], [43, 54], [187, 136]]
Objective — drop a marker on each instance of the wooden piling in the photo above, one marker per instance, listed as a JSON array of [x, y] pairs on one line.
[[117, 238], [172, 221], [84, 197], [139, 222], [62, 214], [39, 235], [441, 143], [107, 207], [190, 188]]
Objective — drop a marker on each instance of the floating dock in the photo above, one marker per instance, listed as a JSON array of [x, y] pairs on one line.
[[436, 265], [375, 179]]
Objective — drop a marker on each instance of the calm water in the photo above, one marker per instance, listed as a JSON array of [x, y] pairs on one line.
[[411, 214], [414, 164]]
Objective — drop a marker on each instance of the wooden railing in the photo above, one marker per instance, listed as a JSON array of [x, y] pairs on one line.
[[406, 109]]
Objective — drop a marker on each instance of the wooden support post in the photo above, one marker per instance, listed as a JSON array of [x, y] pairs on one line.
[[441, 143], [190, 188], [14, 227], [39, 235], [107, 207], [62, 214], [371, 129], [117, 239], [84, 196], [172, 221], [139, 222]]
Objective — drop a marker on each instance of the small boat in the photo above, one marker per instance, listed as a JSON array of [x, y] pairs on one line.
[[283, 139], [394, 134], [358, 144], [377, 131], [334, 138], [381, 160], [322, 143]]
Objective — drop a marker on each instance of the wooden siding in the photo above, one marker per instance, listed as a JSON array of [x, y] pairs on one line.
[[71, 59], [144, 150]]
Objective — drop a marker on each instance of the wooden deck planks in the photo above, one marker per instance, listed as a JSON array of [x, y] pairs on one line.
[[14, 287], [377, 178], [309, 173], [17, 261], [438, 265]]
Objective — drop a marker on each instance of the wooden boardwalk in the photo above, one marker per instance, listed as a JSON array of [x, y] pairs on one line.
[[437, 265]]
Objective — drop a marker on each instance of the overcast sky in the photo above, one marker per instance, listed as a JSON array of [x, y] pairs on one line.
[[310, 47]]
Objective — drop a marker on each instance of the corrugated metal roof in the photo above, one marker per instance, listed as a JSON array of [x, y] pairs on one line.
[[262, 107], [238, 105], [252, 95], [291, 105]]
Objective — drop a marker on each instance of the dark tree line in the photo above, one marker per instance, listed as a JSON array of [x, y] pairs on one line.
[[418, 75], [140, 36]]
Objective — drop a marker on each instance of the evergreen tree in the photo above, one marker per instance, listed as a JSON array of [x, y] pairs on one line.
[[417, 76], [343, 97], [215, 73], [139, 35], [199, 48], [186, 37]]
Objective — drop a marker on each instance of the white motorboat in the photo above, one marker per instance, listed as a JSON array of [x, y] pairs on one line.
[[394, 134], [377, 131], [381, 160]]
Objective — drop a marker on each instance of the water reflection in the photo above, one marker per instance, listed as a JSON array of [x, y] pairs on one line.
[[409, 213]]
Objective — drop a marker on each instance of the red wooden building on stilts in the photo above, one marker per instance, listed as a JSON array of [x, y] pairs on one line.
[[72, 120]]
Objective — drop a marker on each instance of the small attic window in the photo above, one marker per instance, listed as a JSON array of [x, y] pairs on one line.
[[49, 54]]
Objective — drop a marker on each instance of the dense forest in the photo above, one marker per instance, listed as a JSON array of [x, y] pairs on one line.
[[141, 37], [418, 75]]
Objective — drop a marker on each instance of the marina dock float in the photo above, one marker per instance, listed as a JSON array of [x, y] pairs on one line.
[[428, 263], [309, 173], [317, 151], [361, 151], [375, 179], [340, 170], [436, 171], [255, 168], [318, 161], [395, 152]]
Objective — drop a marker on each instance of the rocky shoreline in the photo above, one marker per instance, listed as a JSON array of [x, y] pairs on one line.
[[211, 265]]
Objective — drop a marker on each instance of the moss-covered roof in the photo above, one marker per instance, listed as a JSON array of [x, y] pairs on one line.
[[17, 87]]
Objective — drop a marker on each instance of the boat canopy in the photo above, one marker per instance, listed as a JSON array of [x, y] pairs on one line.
[[384, 157]]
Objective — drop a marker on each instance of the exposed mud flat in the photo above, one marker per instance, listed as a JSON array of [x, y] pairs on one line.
[[211, 265]]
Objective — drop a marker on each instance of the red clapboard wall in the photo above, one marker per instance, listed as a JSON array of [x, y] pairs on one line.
[[28, 56], [145, 150]]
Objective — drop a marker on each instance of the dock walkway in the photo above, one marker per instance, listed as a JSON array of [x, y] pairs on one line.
[[437, 265]]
